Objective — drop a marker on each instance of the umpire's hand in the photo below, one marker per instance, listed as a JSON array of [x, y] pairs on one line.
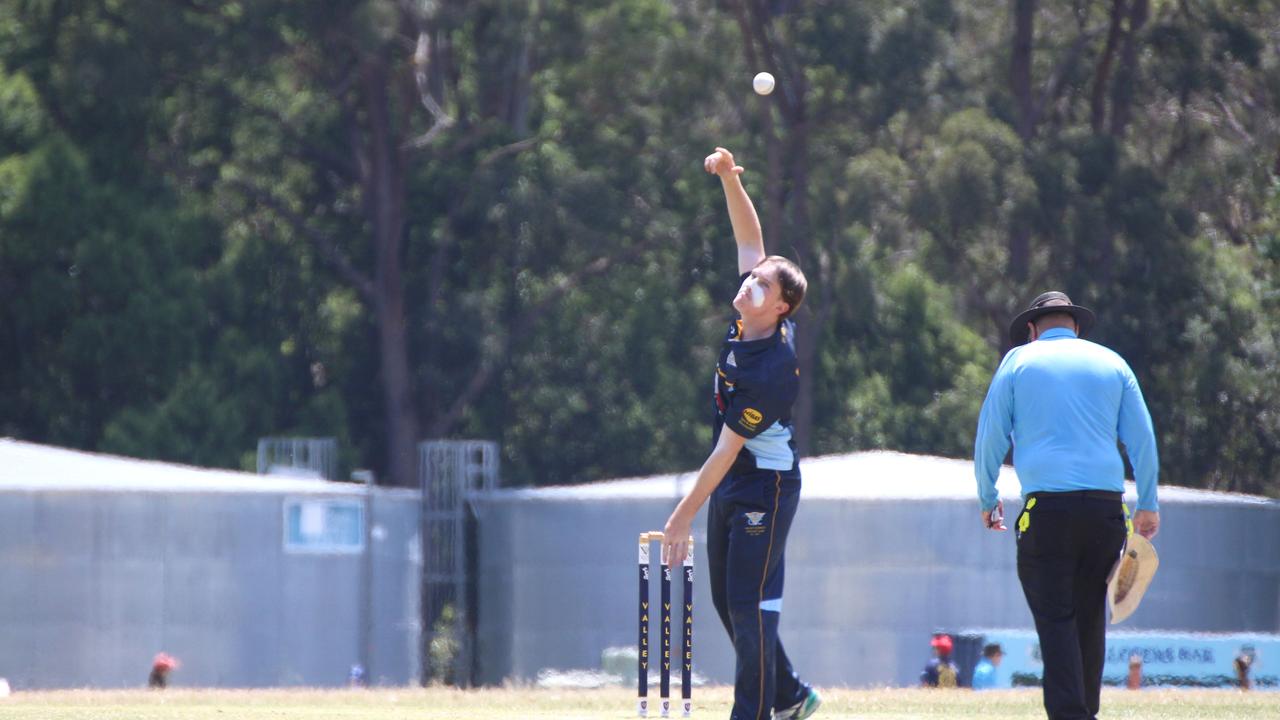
[[1146, 523], [993, 519]]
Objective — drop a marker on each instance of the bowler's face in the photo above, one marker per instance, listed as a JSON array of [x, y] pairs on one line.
[[760, 294]]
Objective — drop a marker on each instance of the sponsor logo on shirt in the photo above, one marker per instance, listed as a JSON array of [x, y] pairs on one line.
[[751, 417]]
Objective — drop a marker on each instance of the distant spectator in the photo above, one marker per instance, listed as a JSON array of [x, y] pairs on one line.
[[161, 666], [1134, 682], [940, 672], [984, 673], [1243, 663]]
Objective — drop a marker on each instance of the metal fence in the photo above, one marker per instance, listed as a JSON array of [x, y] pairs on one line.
[[298, 456], [449, 472]]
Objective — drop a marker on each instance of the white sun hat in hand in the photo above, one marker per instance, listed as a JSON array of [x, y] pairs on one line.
[[1131, 576]]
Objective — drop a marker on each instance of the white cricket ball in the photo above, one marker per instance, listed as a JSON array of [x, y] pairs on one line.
[[763, 83]]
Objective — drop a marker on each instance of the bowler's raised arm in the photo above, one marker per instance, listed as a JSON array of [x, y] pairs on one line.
[[742, 214]]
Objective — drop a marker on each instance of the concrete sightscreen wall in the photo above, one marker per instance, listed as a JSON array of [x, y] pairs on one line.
[[94, 583], [867, 581]]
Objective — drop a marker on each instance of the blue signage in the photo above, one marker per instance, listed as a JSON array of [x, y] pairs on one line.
[[1167, 659]]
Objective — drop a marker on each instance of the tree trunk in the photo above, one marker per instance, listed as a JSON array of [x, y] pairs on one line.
[[1102, 75], [1122, 91], [432, 319], [383, 189], [774, 183], [1019, 266], [1024, 12], [801, 241], [504, 39], [786, 218]]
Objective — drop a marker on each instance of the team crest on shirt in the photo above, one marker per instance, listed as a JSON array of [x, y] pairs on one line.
[[755, 522]]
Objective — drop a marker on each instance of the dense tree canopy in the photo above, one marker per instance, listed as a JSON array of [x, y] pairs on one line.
[[393, 220]]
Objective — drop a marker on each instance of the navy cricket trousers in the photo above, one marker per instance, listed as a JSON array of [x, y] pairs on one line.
[[748, 519]]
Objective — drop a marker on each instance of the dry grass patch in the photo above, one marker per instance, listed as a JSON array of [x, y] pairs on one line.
[[524, 703]]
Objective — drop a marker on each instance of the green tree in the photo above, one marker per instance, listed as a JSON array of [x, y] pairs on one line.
[[391, 221]]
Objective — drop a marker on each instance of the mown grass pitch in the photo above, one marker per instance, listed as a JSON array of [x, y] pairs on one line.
[[519, 704]]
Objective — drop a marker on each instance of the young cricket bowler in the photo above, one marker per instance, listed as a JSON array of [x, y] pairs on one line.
[[752, 477]]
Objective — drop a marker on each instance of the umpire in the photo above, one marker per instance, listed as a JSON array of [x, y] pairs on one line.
[[1064, 402]]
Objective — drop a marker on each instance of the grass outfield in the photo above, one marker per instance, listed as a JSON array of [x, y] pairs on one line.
[[514, 704]]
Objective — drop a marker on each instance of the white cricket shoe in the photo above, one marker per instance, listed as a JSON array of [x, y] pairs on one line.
[[801, 710]]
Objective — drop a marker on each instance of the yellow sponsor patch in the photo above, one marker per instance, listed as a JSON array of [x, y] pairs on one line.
[[751, 416]]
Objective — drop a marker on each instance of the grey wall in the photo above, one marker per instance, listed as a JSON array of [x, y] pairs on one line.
[[396, 590], [93, 584], [867, 581]]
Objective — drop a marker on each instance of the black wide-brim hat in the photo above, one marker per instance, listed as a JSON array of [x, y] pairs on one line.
[[1050, 302]]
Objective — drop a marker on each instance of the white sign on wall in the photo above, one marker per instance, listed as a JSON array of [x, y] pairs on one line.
[[327, 526]]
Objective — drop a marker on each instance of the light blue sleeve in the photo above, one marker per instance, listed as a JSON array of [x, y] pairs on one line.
[[995, 425], [1139, 438], [984, 676]]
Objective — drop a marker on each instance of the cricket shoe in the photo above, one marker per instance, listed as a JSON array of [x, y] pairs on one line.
[[801, 710]]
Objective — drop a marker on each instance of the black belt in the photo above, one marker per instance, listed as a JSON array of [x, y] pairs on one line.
[[1095, 494]]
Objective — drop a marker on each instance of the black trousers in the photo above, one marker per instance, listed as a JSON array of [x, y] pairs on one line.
[[1067, 545], [748, 520]]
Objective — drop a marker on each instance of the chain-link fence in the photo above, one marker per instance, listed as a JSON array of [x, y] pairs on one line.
[[449, 470]]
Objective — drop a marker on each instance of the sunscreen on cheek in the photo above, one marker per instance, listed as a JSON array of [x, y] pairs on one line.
[[757, 293]]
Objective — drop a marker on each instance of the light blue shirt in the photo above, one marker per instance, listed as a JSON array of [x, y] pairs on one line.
[[984, 675], [1063, 403]]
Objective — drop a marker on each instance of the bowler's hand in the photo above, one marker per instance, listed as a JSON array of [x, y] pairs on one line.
[[720, 163], [675, 538], [1146, 523], [993, 519]]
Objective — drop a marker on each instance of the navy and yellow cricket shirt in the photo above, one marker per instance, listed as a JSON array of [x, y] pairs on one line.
[[755, 386]]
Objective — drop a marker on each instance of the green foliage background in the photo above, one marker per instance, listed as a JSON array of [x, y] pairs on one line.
[[189, 232]]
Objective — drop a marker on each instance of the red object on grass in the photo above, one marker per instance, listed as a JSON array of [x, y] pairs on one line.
[[942, 643], [164, 662]]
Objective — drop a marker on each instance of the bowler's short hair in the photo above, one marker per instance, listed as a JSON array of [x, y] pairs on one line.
[[791, 281]]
